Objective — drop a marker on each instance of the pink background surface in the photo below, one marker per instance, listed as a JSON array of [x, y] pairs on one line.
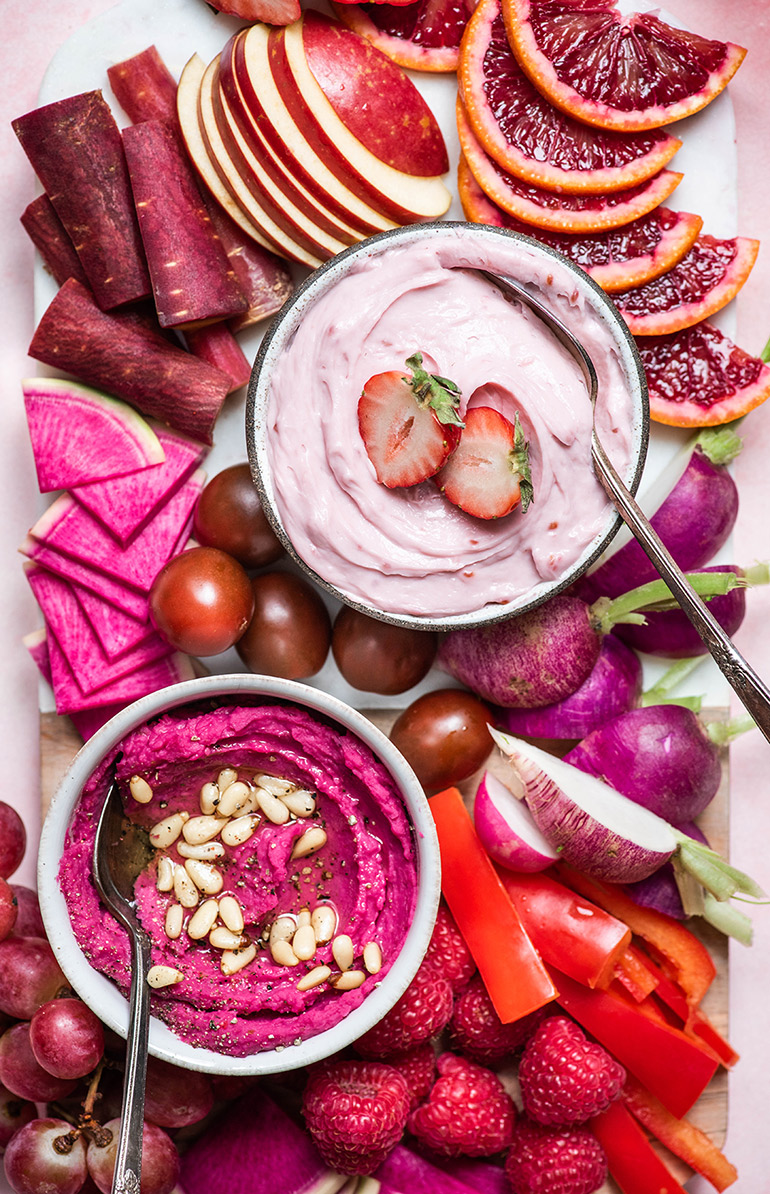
[[32, 31]]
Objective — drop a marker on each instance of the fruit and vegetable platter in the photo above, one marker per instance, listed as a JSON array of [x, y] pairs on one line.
[[196, 164]]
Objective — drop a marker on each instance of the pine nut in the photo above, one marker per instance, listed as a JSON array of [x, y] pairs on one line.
[[273, 808], [282, 929], [203, 919], [234, 799], [272, 783], [314, 978], [239, 830], [222, 938], [235, 960], [165, 879], [231, 913], [303, 917], [372, 957], [174, 921], [163, 976], [342, 951], [227, 776], [324, 922], [349, 980], [301, 802], [304, 943], [209, 799], [207, 852], [309, 842], [283, 954], [201, 829], [165, 833], [206, 877], [184, 888], [140, 789]]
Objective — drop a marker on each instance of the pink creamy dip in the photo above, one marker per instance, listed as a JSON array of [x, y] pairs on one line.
[[409, 551], [367, 870]]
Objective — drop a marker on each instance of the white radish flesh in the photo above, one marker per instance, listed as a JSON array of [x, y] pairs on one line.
[[507, 829]]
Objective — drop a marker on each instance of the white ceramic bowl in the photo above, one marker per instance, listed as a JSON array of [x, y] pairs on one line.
[[313, 294], [105, 998]]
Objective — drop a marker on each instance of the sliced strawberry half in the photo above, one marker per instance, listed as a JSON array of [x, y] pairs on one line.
[[488, 474], [409, 424]]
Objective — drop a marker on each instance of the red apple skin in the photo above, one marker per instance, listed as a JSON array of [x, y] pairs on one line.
[[373, 97], [272, 12]]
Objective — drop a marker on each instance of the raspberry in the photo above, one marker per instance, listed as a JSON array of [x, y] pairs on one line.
[[447, 951], [356, 1112], [478, 1032], [554, 1160], [564, 1077], [422, 1012], [468, 1112], [419, 1068]]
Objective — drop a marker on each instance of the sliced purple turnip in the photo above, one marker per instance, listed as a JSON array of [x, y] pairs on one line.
[[507, 829], [80, 435], [49, 236], [613, 686], [406, 1172], [602, 833], [693, 515], [144, 87]]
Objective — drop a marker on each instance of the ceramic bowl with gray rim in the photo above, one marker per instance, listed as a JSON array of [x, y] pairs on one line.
[[104, 997], [313, 291]]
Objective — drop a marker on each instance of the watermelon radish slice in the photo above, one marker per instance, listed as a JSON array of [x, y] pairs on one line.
[[36, 643], [80, 435], [67, 527], [75, 635], [85, 721], [106, 587], [116, 630], [124, 505]]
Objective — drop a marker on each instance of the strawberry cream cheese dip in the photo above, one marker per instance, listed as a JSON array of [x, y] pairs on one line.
[[409, 551]]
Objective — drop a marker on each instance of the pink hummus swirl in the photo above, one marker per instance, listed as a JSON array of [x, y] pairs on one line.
[[409, 551]]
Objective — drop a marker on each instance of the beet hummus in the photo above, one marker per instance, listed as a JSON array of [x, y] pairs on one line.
[[283, 878]]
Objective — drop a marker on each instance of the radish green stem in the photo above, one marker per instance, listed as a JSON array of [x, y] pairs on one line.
[[710, 869], [723, 732], [727, 919], [765, 353], [658, 694], [720, 444], [607, 613]]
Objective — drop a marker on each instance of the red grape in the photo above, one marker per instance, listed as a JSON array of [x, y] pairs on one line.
[[176, 1097], [160, 1160], [67, 1038], [9, 910], [21, 1072], [13, 840], [201, 601], [14, 1114], [29, 922], [29, 976], [46, 1157], [229, 516]]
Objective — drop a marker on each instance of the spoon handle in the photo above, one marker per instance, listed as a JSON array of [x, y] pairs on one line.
[[128, 1162], [751, 690]]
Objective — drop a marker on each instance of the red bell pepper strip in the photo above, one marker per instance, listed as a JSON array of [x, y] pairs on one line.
[[567, 931], [680, 1137], [670, 1064], [512, 970], [679, 948], [637, 979], [632, 1160]]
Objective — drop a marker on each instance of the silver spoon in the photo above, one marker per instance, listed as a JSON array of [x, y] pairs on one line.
[[751, 690], [121, 852]]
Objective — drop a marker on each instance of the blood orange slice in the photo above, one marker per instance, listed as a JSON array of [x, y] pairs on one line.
[[422, 36], [532, 139], [702, 283], [618, 258], [699, 378], [559, 212], [616, 70]]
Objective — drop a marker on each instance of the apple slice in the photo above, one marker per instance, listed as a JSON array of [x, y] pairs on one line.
[[402, 197], [263, 106], [305, 222], [273, 151]]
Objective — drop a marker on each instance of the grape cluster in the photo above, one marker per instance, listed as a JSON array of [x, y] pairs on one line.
[[55, 1051]]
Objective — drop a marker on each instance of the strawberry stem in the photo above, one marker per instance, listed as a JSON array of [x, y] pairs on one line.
[[439, 393], [521, 464]]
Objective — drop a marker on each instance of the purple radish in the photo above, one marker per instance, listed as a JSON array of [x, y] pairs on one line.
[[406, 1172], [542, 656], [599, 831], [480, 1175], [694, 520], [506, 829], [661, 756], [660, 890], [612, 687]]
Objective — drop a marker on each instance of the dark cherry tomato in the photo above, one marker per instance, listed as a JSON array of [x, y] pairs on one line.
[[376, 656], [229, 516], [443, 736], [201, 601], [290, 631]]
